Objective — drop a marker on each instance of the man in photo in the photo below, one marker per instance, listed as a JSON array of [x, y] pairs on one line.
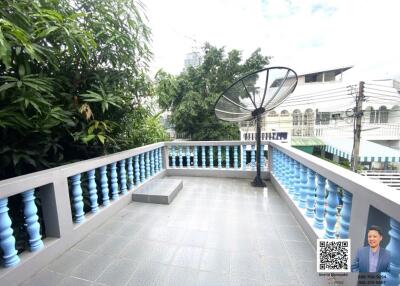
[[372, 258]]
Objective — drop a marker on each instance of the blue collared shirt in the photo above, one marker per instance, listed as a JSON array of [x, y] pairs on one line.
[[373, 259]]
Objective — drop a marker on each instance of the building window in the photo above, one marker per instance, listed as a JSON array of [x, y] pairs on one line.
[[383, 114], [297, 117], [313, 77], [323, 118]]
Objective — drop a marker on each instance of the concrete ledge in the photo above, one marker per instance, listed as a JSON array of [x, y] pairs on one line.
[[159, 191]]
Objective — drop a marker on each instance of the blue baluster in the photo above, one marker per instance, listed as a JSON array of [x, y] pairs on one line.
[[320, 203], [227, 158], [345, 214], [292, 176], [281, 167], [253, 157], [104, 185], [262, 162], [219, 157], [137, 170], [394, 248], [310, 193], [331, 211], [147, 158], [180, 156], [130, 174], [160, 159], [297, 182], [235, 157], [77, 198], [114, 182], [151, 163], [195, 157], [211, 156], [244, 157], [203, 156], [7, 240], [173, 156], [32, 220], [188, 156], [303, 187], [92, 189], [122, 176], [285, 171], [156, 162]]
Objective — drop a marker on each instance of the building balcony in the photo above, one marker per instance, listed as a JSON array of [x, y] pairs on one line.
[[218, 231]]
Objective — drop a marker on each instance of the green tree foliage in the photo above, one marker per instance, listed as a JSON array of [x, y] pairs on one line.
[[72, 79], [191, 95]]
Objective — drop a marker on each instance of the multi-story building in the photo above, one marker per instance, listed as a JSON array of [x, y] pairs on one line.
[[323, 106]]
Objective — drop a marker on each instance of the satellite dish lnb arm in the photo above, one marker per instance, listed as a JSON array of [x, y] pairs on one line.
[[248, 93]]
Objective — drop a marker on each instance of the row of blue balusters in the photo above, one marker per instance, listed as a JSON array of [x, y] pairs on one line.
[[179, 151], [299, 182], [139, 168], [7, 239], [307, 189], [145, 166]]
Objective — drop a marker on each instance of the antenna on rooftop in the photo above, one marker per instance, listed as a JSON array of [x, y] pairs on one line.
[[251, 96]]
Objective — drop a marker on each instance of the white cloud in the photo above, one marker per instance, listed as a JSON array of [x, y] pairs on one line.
[[302, 34]]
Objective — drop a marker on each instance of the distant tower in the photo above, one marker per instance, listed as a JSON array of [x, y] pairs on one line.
[[192, 59]]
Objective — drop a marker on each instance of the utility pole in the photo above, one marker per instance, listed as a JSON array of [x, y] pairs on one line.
[[357, 127]]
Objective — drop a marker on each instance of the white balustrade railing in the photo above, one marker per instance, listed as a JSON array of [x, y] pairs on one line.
[[220, 155], [74, 199], [332, 202]]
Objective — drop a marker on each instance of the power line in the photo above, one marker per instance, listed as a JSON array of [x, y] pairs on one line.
[[388, 91], [381, 85], [329, 95], [324, 92]]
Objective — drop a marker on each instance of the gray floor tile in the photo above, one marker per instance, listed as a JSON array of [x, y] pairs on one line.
[[269, 247], [118, 273], [92, 267], [300, 250], [308, 276], [291, 233], [279, 271], [212, 279], [215, 261], [72, 281], [70, 260], [163, 252], [44, 278], [284, 219], [187, 256], [248, 265], [242, 281], [195, 238], [149, 274], [113, 247], [140, 250], [178, 276], [92, 242]]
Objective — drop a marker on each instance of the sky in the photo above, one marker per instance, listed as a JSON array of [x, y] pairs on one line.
[[305, 35]]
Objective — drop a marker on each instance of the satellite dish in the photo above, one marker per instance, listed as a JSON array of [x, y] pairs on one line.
[[253, 95]]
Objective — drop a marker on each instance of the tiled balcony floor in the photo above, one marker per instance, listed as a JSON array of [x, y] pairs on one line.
[[216, 232]]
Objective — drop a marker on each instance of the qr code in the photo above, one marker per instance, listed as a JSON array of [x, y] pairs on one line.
[[333, 255]]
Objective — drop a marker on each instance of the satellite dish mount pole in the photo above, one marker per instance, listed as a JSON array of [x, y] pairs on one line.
[[258, 182]]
